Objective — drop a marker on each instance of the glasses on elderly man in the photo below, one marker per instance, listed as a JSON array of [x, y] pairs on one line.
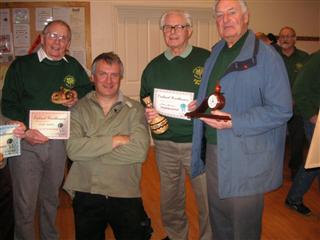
[[56, 36], [177, 28]]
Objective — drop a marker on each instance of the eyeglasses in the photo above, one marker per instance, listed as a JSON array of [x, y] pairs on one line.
[[56, 36], [177, 28]]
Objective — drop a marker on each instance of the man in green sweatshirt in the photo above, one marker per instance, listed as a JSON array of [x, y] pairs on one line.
[[294, 60], [29, 83], [176, 73]]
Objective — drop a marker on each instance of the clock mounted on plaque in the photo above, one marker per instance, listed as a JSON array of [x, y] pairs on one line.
[[214, 101]]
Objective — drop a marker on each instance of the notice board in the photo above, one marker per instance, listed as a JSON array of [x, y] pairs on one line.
[[22, 22]]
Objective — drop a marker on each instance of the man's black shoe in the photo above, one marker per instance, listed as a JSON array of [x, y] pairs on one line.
[[300, 208]]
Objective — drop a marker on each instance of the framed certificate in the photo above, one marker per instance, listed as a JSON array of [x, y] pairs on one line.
[[52, 124], [9, 144], [172, 103]]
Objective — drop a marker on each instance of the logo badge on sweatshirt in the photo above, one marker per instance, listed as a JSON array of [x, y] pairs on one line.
[[298, 66], [69, 81], [197, 74]]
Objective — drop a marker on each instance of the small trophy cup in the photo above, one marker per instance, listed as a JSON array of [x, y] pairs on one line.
[[62, 96], [159, 124], [214, 101]]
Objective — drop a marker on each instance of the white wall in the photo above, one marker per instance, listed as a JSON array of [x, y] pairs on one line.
[[266, 16], [114, 29]]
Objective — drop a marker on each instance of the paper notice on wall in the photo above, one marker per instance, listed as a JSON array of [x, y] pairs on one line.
[[80, 55], [61, 14], [20, 15], [5, 21], [43, 16], [21, 35], [6, 48], [77, 25]]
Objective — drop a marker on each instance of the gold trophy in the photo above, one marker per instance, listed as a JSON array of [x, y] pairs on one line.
[[159, 124]]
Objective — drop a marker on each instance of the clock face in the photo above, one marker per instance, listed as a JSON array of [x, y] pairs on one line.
[[213, 101]]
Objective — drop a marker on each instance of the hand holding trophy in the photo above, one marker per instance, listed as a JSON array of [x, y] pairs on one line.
[[214, 101], [159, 124], [62, 96]]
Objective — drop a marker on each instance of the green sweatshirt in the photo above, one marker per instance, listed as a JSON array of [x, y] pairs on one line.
[[182, 73], [29, 84], [294, 63], [306, 89]]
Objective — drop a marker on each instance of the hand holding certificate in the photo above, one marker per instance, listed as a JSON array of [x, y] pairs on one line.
[[172, 103], [9, 144], [52, 124]]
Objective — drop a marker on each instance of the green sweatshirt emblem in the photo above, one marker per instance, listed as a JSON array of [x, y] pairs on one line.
[[197, 74], [69, 81]]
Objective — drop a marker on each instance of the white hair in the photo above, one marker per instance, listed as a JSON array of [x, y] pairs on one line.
[[183, 13], [243, 4]]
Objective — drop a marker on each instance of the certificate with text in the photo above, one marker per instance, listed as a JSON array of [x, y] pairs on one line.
[[52, 124], [9, 144], [172, 103]]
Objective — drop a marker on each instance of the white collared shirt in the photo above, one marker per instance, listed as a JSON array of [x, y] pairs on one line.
[[42, 55]]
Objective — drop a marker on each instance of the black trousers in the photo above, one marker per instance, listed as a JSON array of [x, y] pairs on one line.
[[297, 142], [126, 216], [6, 207]]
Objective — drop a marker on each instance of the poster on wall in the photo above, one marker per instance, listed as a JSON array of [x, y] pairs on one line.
[[77, 25], [43, 16], [20, 15], [5, 21], [6, 48], [62, 14], [21, 35], [20, 51], [75, 18]]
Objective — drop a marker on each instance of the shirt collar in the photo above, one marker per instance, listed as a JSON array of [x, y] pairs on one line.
[[184, 54], [118, 104], [42, 55]]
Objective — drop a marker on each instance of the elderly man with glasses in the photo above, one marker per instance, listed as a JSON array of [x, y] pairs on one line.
[[29, 84], [176, 72]]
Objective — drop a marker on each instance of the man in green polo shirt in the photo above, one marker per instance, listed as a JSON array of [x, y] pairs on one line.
[[176, 73], [294, 60]]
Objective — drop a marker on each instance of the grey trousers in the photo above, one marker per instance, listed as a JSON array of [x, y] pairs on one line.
[[36, 177], [173, 160], [235, 218]]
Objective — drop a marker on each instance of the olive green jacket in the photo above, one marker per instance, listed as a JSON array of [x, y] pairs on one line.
[[98, 168]]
